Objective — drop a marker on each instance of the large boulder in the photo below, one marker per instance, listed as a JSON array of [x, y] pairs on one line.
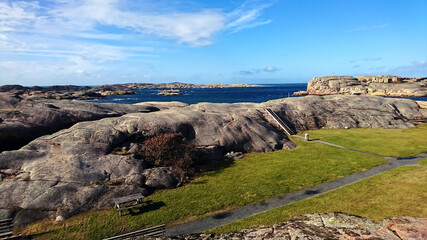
[[162, 177]]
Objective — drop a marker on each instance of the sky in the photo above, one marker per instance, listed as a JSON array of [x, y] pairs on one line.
[[94, 42]]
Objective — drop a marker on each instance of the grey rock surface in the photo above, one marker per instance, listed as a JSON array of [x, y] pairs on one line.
[[333, 225], [161, 177], [382, 85], [77, 169], [23, 119]]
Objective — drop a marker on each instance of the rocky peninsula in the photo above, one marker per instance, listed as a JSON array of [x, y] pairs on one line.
[[68, 158], [382, 85]]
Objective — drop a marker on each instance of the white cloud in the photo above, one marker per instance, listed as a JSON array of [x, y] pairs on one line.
[[82, 18], [268, 69], [368, 28], [246, 17], [18, 14], [95, 32], [271, 69], [196, 29]]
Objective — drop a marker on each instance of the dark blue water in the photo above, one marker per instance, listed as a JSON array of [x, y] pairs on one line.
[[213, 95], [216, 95]]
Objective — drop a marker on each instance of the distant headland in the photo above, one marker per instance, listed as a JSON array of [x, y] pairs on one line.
[[86, 92]]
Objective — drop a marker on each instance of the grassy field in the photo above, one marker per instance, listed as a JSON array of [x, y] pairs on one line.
[[423, 162], [251, 179], [385, 142], [398, 192]]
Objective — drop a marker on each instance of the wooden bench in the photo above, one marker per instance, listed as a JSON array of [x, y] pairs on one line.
[[129, 202], [156, 231], [6, 227]]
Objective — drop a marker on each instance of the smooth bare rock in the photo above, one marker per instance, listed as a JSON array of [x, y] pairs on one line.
[[78, 168], [300, 93], [160, 178], [382, 85], [329, 226], [162, 105], [24, 119]]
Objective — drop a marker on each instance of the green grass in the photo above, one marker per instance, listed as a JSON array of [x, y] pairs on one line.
[[385, 142], [398, 192], [423, 162], [252, 179]]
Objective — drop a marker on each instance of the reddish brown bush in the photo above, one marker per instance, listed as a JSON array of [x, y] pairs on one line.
[[169, 150]]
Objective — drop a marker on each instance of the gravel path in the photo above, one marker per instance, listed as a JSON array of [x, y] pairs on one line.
[[250, 210]]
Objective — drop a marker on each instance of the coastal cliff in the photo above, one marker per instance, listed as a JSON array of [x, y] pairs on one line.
[[382, 85], [42, 178]]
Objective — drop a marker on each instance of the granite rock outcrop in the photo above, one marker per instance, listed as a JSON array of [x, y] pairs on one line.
[[24, 119], [333, 225], [382, 85], [79, 167]]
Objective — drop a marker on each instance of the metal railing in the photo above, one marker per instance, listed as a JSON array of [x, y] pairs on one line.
[[281, 123], [156, 231]]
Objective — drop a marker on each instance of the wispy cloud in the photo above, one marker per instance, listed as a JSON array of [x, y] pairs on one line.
[[83, 19], [87, 33], [271, 69], [414, 69], [366, 59], [246, 72], [368, 28], [246, 17], [268, 69]]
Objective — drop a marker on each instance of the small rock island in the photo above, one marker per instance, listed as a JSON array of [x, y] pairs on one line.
[[171, 92]]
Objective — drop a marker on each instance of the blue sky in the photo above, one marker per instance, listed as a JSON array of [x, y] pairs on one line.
[[92, 42]]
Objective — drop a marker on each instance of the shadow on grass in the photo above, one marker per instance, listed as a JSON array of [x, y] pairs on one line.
[[214, 169], [151, 206]]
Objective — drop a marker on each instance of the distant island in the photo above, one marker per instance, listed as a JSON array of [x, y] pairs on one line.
[[86, 92], [171, 92]]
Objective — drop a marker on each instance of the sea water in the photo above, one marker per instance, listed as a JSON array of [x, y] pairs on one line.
[[213, 95], [216, 95]]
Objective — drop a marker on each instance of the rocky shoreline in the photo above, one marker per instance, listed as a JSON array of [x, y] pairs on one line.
[[67, 147], [98, 92], [382, 85]]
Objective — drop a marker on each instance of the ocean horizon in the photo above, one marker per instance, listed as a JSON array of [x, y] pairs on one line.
[[213, 95]]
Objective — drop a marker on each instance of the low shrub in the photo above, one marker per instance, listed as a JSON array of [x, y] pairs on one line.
[[169, 150]]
